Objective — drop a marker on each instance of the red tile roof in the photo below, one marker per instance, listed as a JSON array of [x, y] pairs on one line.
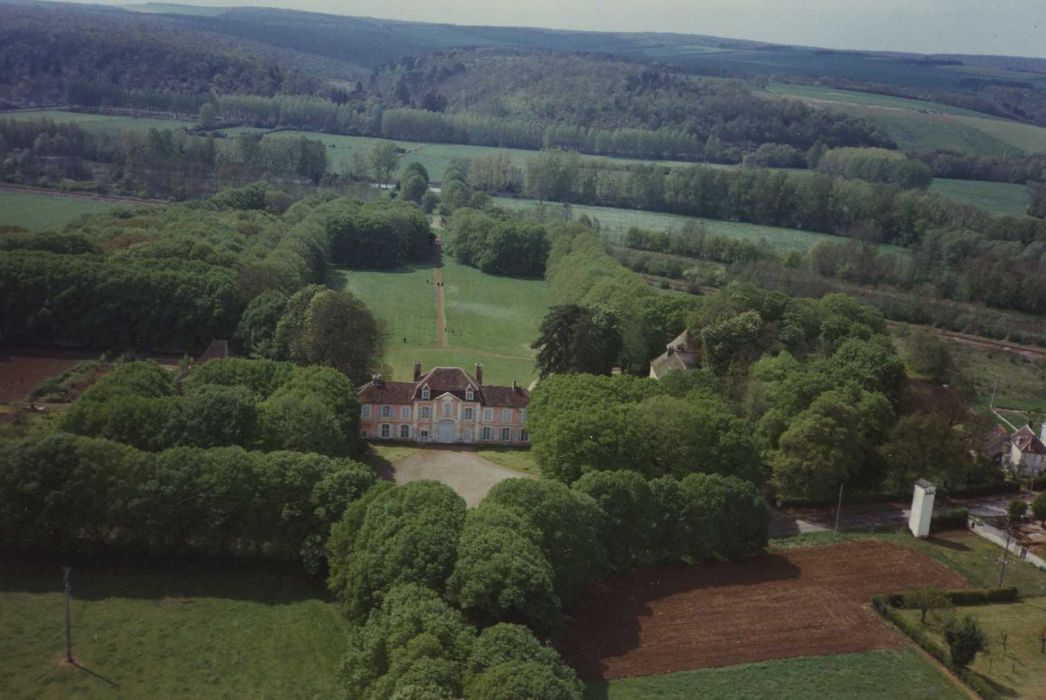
[[508, 396], [380, 391], [443, 380]]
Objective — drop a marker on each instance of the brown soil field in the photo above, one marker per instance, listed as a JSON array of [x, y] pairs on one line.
[[19, 373], [804, 602]]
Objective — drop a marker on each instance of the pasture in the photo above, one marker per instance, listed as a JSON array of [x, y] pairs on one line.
[[167, 634], [615, 222], [994, 197], [1018, 669], [490, 319], [44, 212], [872, 675], [808, 601]]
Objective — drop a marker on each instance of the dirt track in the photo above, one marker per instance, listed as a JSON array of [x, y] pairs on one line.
[[806, 602]]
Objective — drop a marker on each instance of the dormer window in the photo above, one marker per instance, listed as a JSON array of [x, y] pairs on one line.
[[425, 393], [469, 395]]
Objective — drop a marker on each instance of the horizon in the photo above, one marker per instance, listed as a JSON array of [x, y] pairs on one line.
[[843, 25]]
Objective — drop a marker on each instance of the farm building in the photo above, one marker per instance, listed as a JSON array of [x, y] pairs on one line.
[[444, 405], [681, 354], [1028, 452]]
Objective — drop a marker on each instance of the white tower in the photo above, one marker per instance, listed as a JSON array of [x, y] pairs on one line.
[[922, 508]]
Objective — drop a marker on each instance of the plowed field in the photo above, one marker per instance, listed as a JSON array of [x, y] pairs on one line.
[[804, 602]]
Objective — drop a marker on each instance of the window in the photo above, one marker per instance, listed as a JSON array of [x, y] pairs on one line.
[[425, 393], [386, 430], [424, 435], [524, 436], [469, 395], [386, 411], [506, 434], [523, 415], [506, 415], [487, 434], [488, 414], [363, 433], [448, 409], [425, 412], [405, 432], [468, 413], [366, 410], [405, 412]]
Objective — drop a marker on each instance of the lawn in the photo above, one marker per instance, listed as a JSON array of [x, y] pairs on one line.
[[818, 93], [41, 212], [168, 635], [490, 319], [615, 222], [521, 460], [1020, 668], [99, 123], [994, 197], [867, 675]]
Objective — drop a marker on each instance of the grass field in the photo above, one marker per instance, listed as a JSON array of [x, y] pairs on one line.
[[1019, 670], [490, 319], [994, 197], [615, 222], [100, 123], [40, 212], [872, 675], [919, 125], [167, 635]]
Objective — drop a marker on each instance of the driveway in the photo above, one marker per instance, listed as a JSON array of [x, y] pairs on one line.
[[467, 473]]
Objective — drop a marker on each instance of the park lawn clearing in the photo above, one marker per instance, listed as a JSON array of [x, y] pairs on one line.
[[43, 212], [168, 635], [615, 222], [1002, 198], [873, 675], [809, 601], [1019, 670]]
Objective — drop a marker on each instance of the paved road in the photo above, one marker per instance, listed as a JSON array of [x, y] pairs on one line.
[[793, 521], [463, 470]]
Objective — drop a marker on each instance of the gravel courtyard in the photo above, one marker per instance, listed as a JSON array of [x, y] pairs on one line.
[[463, 470]]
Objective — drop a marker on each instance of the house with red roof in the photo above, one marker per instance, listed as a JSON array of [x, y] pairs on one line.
[[444, 405]]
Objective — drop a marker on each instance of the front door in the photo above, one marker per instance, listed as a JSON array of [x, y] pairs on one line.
[[446, 431]]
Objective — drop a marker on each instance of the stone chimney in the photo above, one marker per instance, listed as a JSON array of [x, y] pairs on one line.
[[479, 373], [417, 371], [376, 380]]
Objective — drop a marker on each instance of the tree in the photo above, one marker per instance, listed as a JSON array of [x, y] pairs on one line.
[[211, 415], [1038, 508], [965, 639], [926, 599], [628, 508], [383, 158], [413, 187], [521, 680], [576, 338], [929, 356], [501, 574], [257, 328], [925, 445], [1016, 510]]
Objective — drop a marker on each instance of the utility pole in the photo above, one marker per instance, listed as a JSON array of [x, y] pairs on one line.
[[1002, 562], [67, 571], [839, 508]]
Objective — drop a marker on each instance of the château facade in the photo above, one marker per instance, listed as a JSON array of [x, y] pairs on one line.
[[444, 405]]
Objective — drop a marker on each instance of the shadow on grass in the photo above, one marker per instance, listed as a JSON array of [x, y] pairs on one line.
[[947, 544], [162, 580], [108, 681], [338, 276]]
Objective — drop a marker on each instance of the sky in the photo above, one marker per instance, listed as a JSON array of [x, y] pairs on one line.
[[1003, 27]]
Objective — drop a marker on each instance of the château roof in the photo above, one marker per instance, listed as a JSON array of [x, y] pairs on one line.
[[440, 381]]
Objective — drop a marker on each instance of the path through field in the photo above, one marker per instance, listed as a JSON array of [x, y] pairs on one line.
[[441, 314]]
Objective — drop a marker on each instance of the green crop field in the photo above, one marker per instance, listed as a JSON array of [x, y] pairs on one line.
[[167, 635], [99, 123], [615, 222], [42, 212], [819, 93], [994, 197], [490, 319], [1019, 669], [870, 675]]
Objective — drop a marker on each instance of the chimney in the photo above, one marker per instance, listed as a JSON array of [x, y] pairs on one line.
[[479, 373], [417, 371], [514, 385], [377, 380]]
